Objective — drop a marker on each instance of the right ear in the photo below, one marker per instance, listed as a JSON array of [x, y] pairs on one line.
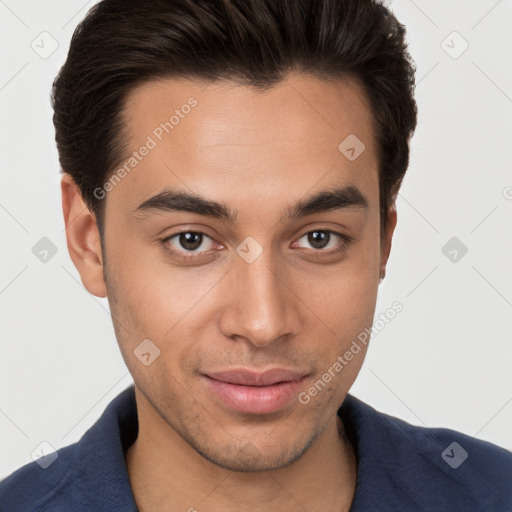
[[83, 237]]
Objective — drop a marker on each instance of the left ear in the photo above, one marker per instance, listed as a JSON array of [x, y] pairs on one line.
[[386, 239]]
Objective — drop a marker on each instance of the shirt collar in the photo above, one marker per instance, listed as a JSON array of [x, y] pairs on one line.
[[99, 469]]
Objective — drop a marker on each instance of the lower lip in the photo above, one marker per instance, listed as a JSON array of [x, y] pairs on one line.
[[255, 399]]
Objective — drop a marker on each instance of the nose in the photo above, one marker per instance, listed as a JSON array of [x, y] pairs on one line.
[[261, 307]]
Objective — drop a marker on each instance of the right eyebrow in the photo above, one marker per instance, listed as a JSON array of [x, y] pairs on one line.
[[173, 200]]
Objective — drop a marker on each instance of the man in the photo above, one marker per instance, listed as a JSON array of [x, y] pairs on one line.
[[230, 170]]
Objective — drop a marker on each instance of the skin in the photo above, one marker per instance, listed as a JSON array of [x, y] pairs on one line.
[[259, 153]]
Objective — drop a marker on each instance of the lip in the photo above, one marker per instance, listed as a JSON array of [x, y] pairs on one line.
[[255, 392]]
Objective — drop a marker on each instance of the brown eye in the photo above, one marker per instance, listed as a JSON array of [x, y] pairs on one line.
[[322, 240], [188, 242], [319, 239]]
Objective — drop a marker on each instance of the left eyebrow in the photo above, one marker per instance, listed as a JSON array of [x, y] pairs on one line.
[[327, 200]]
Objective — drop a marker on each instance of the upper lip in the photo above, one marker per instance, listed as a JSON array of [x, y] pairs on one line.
[[253, 378]]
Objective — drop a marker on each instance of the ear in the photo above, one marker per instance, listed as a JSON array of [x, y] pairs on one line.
[[387, 239], [83, 237]]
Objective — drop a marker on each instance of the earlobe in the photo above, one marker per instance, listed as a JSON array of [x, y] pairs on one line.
[[387, 240], [83, 238]]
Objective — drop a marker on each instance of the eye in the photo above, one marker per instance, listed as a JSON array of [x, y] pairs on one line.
[[194, 244], [323, 239], [189, 242]]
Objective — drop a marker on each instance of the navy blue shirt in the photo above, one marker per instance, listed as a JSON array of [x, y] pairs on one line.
[[401, 467]]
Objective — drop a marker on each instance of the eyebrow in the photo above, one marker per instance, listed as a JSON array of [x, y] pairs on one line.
[[327, 200]]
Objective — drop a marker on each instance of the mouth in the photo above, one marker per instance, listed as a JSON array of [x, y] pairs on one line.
[[253, 392]]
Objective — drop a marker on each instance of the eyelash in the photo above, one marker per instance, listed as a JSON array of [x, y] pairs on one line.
[[342, 245]]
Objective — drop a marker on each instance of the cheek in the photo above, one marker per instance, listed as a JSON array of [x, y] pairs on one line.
[[152, 294], [151, 299], [344, 295]]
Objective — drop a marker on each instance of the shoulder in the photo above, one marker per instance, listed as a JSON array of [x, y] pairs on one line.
[[35, 485], [458, 467], [87, 475], [428, 468]]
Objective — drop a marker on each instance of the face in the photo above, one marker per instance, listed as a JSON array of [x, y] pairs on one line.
[[254, 290]]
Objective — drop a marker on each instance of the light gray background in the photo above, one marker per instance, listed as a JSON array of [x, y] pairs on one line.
[[445, 360]]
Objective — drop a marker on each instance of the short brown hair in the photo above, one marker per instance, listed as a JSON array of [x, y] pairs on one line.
[[123, 43]]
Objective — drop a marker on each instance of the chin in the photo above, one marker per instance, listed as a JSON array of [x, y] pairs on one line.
[[250, 458]]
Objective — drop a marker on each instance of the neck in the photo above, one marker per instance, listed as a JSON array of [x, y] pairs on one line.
[[166, 473]]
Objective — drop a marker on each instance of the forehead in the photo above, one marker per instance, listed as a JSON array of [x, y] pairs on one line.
[[289, 136]]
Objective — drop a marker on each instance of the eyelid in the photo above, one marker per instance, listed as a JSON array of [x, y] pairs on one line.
[[344, 241], [165, 242]]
